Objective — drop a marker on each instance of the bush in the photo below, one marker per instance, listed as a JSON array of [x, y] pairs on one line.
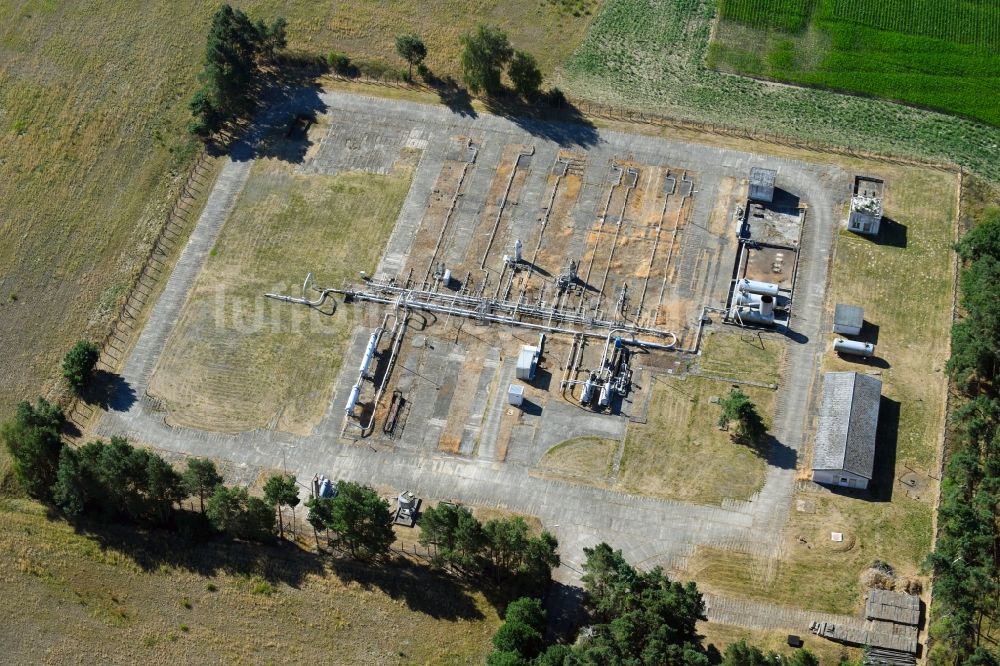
[[424, 72], [79, 362], [340, 63]]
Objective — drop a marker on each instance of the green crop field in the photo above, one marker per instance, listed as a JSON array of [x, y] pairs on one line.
[[653, 56], [942, 55]]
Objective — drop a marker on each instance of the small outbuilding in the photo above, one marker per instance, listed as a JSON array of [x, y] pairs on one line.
[[527, 363], [848, 319], [844, 454], [762, 184], [515, 395], [866, 206]]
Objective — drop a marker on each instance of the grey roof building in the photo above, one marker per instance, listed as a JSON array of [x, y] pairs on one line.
[[844, 454], [762, 184], [848, 319]]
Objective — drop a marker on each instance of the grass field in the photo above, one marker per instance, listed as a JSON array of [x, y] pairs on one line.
[[722, 635], [587, 459], [680, 453], [93, 109], [122, 597], [239, 361], [937, 55], [652, 56], [911, 263]]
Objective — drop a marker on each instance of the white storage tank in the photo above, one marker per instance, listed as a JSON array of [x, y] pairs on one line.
[[853, 347], [605, 398], [515, 395], [352, 400], [749, 286], [588, 392], [767, 306], [756, 317]]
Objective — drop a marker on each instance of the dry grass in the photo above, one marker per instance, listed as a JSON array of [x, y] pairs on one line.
[[680, 453], [67, 597], [92, 134], [906, 292], [239, 361], [722, 635], [588, 458]]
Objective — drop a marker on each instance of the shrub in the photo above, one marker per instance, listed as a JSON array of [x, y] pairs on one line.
[[79, 362], [340, 63]]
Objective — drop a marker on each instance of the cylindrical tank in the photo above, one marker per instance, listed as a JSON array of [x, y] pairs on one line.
[[517, 250], [756, 317], [853, 347], [605, 399], [369, 353], [744, 298], [588, 392], [352, 400], [756, 287], [446, 278], [767, 306]]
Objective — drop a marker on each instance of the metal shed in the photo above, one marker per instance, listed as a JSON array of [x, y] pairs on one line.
[[762, 184], [892, 606], [527, 363], [844, 454], [848, 319]]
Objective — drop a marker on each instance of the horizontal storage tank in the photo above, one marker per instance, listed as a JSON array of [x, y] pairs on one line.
[[369, 352], [756, 317], [588, 392], [757, 287], [352, 400], [743, 298], [853, 347]]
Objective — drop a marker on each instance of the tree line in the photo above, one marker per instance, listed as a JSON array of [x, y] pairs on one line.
[[502, 548], [637, 618], [114, 481], [966, 559], [235, 51]]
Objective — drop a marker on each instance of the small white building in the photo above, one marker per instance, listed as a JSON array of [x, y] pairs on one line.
[[866, 206], [848, 319], [844, 454], [527, 363], [515, 395]]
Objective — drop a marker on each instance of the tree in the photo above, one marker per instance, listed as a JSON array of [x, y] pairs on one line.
[[738, 407], [525, 75], [519, 638], [33, 441], [278, 490], [201, 479], [362, 520], [457, 535], [983, 239], [526, 610], [78, 364], [233, 511], [411, 49], [742, 654], [68, 491], [320, 515], [164, 487], [485, 53], [234, 48]]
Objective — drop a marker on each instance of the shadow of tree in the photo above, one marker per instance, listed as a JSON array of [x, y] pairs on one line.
[[109, 391], [559, 121], [422, 589]]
